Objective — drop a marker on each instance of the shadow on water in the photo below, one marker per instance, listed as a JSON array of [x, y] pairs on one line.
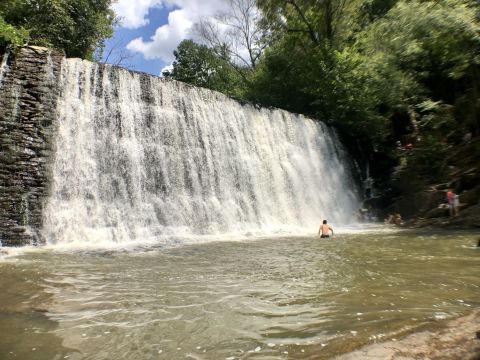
[[27, 331]]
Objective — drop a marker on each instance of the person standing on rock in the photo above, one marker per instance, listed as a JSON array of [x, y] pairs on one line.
[[325, 229], [456, 204], [450, 201]]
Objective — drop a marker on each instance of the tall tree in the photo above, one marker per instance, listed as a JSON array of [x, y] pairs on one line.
[[436, 43], [234, 34], [77, 27], [319, 20], [200, 66]]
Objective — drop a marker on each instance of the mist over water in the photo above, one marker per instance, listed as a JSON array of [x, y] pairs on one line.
[[139, 158]]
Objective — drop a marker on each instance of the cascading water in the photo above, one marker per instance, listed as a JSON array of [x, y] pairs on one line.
[[139, 158], [3, 67]]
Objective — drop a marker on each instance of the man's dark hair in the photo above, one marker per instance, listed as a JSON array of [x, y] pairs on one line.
[[324, 221]]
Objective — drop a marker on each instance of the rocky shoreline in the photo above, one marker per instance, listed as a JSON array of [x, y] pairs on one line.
[[424, 204], [458, 340], [467, 219]]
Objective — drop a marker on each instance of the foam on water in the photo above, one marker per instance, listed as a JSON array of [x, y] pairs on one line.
[[143, 159]]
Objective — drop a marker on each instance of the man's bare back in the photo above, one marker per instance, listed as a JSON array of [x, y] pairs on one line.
[[325, 229]]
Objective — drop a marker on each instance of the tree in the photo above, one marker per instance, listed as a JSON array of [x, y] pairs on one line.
[[116, 54], [312, 68], [77, 27], [319, 20], [436, 43], [9, 34], [234, 35], [374, 9], [199, 65]]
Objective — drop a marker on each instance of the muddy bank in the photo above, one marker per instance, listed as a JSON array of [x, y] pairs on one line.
[[457, 341]]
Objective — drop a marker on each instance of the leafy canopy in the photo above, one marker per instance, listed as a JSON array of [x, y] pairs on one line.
[[200, 66], [77, 27]]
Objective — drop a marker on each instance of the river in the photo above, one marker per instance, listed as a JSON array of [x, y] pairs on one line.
[[249, 298]]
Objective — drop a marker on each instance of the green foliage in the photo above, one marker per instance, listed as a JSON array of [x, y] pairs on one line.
[[314, 20], [74, 26], [427, 54], [428, 159], [198, 65], [337, 86], [437, 131], [11, 35], [372, 10], [431, 38], [280, 78]]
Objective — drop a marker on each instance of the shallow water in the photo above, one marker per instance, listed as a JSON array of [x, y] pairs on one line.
[[271, 298]]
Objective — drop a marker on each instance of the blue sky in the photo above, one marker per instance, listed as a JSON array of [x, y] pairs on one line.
[[150, 30], [123, 36]]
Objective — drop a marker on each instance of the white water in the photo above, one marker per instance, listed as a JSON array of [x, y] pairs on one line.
[[3, 68], [141, 159]]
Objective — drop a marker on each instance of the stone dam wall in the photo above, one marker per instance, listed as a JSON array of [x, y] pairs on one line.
[[28, 94]]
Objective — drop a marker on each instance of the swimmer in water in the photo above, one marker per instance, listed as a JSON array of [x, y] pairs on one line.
[[324, 230]]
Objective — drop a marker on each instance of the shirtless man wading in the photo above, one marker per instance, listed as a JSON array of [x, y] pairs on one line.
[[324, 229]]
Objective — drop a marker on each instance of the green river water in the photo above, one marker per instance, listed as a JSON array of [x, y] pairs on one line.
[[268, 298]]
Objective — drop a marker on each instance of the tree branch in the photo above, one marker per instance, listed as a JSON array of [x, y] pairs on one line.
[[310, 31]]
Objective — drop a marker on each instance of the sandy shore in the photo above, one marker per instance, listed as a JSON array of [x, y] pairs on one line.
[[457, 341]]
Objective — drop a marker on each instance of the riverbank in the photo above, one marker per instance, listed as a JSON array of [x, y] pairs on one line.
[[466, 219], [459, 340], [424, 203]]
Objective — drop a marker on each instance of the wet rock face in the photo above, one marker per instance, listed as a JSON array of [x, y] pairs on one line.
[[28, 95]]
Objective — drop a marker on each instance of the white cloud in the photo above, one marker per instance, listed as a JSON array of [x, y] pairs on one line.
[[165, 39], [133, 14], [166, 68], [167, 36]]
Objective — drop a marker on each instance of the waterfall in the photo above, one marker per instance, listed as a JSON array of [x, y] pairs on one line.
[[3, 67], [139, 158]]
